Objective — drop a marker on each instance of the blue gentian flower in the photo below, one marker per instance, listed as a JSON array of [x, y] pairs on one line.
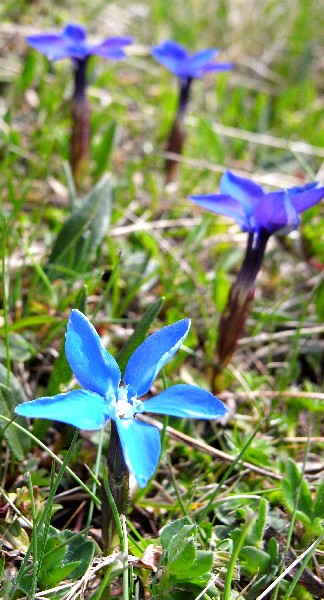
[[176, 59], [260, 214], [72, 43], [257, 211], [103, 398]]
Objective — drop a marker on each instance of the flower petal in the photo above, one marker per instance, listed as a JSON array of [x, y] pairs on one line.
[[52, 45], [141, 446], [198, 61], [217, 66], [111, 48], [95, 369], [79, 408], [185, 401], [306, 197], [276, 213], [172, 56], [149, 358], [224, 205], [74, 33], [246, 192]]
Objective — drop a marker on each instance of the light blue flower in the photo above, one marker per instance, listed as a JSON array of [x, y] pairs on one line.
[[72, 43], [176, 59], [257, 211], [103, 398]]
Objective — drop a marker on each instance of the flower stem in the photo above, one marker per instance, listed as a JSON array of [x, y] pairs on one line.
[[80, 135], [177, 133], [233, 318], [118, 483]]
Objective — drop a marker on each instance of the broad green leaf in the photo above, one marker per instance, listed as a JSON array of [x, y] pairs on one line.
[[15, 439], [182, 550], [14, 534], [83, 232], [48, 579], [169, 531], [253, 560], [290, 484], [202, 565], [15, 386], [81, 549], [139, 333], [65, 553], [20, 349]]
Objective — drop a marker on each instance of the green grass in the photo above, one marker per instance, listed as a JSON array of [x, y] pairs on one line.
[[236, 497]]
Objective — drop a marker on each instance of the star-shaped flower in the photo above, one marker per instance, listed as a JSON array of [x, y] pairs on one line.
[[72, 43], [176, 59], [103, 398], [257, 211]]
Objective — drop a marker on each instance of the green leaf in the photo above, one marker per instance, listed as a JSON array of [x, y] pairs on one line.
[[253, 560], [319, 301], [15, 386], [20, 349], [290, 485], [15, 439], [221, 289], [79, 549], [273, 550], [202, 565], [51, 578], [103, 150], [66, 555], [318, 509], [171, 530], [255, 535], [139, 334], [182, 550], [84, 231]]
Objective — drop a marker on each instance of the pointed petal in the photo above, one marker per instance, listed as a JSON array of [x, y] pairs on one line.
[[52, 45], [185, 401], [217, 66], [149, 358], [74, 33], [276, 213], [79, 408], [172, 56], [306, 198], [302, 188], [111, 48], [95, 369], [245, 191], [141, 448], [224, 205], [198, 61]]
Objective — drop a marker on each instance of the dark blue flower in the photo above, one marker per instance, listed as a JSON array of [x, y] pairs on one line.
[[257, 211], [103, 398], [174, 57], [72, 43]]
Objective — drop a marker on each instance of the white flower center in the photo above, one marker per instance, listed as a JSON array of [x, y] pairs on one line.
[[125, 408]]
